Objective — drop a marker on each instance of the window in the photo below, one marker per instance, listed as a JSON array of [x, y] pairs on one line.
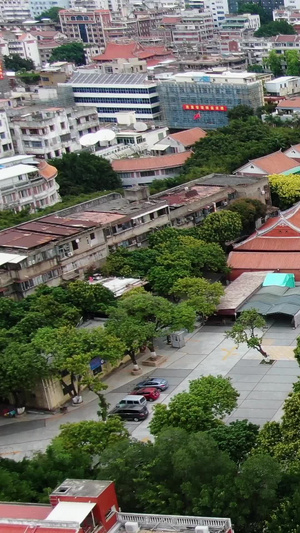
[[51, 128], [110, 513], [92, 236], [75, 244]]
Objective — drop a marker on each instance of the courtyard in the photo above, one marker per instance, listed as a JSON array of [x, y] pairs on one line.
[[262, 388]]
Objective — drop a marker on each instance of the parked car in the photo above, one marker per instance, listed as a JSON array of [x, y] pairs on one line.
[[136, 413], [150, 393], [157, 383], [132, 399]]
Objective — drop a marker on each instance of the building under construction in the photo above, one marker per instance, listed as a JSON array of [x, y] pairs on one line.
[[192, 99]]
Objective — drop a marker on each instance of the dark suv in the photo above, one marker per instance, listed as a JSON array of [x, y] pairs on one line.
[[136, 413]]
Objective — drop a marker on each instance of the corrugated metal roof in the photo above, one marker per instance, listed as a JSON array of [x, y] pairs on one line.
[[274, 300], [11, 258], [92, 78], [17, 510]]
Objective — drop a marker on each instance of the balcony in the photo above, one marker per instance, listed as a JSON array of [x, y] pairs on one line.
[[134, 231]]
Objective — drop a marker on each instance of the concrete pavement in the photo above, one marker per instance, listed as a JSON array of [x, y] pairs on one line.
[[262, 388]]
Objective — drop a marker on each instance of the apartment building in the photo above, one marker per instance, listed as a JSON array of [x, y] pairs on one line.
[[218, 8], [283, 86], [241, 22], [62, 246], [6, 144], [24, 45], [112, 93], [52, 132], [255, 49], [281, 43], [14, 11], [194, 28], [202, 99], [25, 183], [86, 26]]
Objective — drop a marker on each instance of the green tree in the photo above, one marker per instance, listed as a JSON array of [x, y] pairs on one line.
[[140, 317], [292, 59], [15, 63], [72, 350], [92, 437], [249, 210], [257, 486], [285, 190], [52, 14], [255, 68], [127, 459], [240, 112], [202, 295], [84, 173], [221, 227], [21, 368], [237, 439], [275, 27], [248, 329], [208, 400], [90, 299], [255, 8], [30, 78], [72, 52], [286, 517], [274, 63]]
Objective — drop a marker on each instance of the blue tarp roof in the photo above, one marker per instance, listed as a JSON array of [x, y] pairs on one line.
[[279, 279]]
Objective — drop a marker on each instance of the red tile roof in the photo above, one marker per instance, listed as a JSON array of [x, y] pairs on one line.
[[289, 103], [270, 244], [264, 261], [153, 163], [130, 50], [275, 163], [189, 137]]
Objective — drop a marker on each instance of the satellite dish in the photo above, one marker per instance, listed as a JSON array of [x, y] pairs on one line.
[[104, 135], [140, 126], [88, 140]]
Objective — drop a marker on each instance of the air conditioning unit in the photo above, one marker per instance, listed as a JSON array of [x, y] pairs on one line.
[[131, 527], [69, 254], [139, 244], [201, 529]]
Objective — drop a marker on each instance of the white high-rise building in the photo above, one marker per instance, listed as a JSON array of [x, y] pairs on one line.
[[218, 8], [292, 4], [37, 7]]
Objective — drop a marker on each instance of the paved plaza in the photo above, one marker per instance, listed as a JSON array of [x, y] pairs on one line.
[[262, 388]]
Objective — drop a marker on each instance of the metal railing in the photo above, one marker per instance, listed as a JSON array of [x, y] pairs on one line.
[[173, 522]]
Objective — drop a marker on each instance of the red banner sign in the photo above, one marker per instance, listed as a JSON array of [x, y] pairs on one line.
[[193, 107]]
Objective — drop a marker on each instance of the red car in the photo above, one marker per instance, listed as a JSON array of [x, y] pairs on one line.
[[149, 393]]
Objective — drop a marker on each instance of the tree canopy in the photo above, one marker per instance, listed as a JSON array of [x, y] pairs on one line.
[[248, 138], [285, 190], [276, 27], [72, 52], [248, 329], [52, 14], [84, 173], [208, 400], [15, 63], [221, 227], [255, 8], [140, 317]]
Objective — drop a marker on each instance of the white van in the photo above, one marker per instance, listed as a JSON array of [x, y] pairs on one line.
[[132, 399]]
